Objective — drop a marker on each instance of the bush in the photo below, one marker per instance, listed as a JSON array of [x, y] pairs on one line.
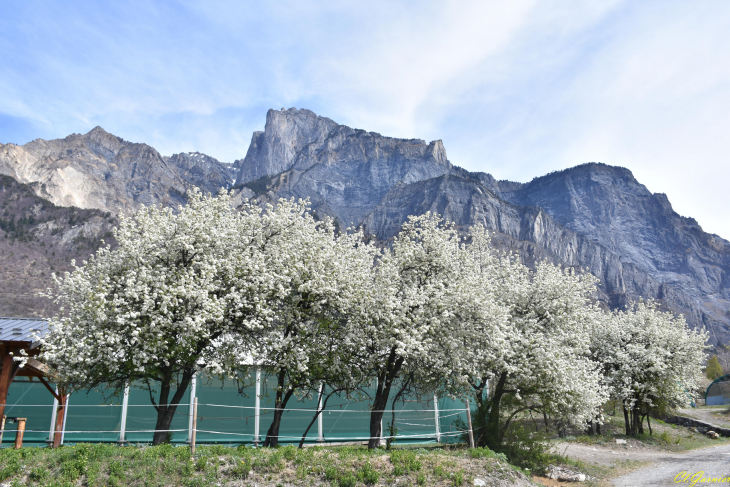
[[525, 449]]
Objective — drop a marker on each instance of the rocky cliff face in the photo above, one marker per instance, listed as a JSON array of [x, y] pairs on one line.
[[100, 170], [344, 172], [593, 216]]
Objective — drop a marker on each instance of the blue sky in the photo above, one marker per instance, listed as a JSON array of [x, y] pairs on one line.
[[516, 89]]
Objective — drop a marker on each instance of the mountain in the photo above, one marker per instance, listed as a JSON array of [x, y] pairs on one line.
[[591, 216], [102, 171], [38, 238], [343, 171]]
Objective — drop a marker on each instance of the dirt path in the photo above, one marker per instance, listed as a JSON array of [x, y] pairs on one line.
[[711, 462], [608, 456]]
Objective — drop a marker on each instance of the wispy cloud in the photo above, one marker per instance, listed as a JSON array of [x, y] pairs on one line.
[[513, 88]]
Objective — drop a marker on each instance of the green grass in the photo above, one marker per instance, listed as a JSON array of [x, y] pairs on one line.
[[349, 466]]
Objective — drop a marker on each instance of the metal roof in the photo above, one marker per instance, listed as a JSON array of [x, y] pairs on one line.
[[21, 329]]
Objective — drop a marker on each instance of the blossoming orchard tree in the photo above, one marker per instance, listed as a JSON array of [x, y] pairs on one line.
[[320, 271], [538, 357], [155, 309], [407, 308], [650, 360]]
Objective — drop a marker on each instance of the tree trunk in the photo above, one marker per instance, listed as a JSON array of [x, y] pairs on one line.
[[648, 423], [165, 410], [493, 434], [641, 421], [320, 410], [385, 382], [626, 421], [272, 436]]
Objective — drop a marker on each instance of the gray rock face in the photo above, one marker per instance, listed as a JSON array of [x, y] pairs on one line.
[[343, 171], [608, 205], [205, 172], [536, 235], [287, 132], [593, 216], [100, 170]]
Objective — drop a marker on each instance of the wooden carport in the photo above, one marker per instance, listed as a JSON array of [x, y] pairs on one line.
[[18, 334]]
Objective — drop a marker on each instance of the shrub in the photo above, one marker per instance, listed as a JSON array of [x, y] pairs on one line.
[[404, 461], [525, 449], [368, 475], [242, 470], [347, 480]]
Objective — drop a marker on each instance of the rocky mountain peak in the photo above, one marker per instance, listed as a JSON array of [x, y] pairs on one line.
[[100, 170], [286, 133], [344, 171]]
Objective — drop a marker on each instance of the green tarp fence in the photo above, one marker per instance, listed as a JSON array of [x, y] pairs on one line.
[[224, 416]]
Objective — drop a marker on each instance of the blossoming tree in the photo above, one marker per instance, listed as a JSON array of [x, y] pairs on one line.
[[535, 356], [399, 323], [301, 345], [650, 360], [154, 310]]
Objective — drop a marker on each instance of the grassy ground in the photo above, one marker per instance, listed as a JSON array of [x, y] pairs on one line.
[[666, 437], [109, 465]]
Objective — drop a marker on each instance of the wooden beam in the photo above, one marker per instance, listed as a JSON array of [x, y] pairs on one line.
[[48, 386], [39, 367]]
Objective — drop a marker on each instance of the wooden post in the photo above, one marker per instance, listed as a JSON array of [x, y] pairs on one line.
[[5, 379], [195, 426], [468, 421], [60, 415], [19, 434]]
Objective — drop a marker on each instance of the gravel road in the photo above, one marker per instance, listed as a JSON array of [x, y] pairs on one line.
[[713, 462]]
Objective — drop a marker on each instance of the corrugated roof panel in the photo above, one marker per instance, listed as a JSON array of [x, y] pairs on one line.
[[21, 329]]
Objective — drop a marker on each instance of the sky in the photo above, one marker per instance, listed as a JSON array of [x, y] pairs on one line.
[[516, 89]]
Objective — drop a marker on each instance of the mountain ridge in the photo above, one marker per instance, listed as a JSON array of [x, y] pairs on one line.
[[593, 216]]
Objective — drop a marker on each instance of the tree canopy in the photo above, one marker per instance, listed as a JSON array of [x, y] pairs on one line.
[[207, 287]]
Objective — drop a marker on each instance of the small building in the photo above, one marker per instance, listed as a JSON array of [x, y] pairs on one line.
[[19, 337], [718, 392]]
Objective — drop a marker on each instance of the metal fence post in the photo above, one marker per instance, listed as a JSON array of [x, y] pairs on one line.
[[193, 395], [54, 412], [257, 409], [436, 418], [123, 424], [195, 427], [320, 429], [468, 421], [65, 413]]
